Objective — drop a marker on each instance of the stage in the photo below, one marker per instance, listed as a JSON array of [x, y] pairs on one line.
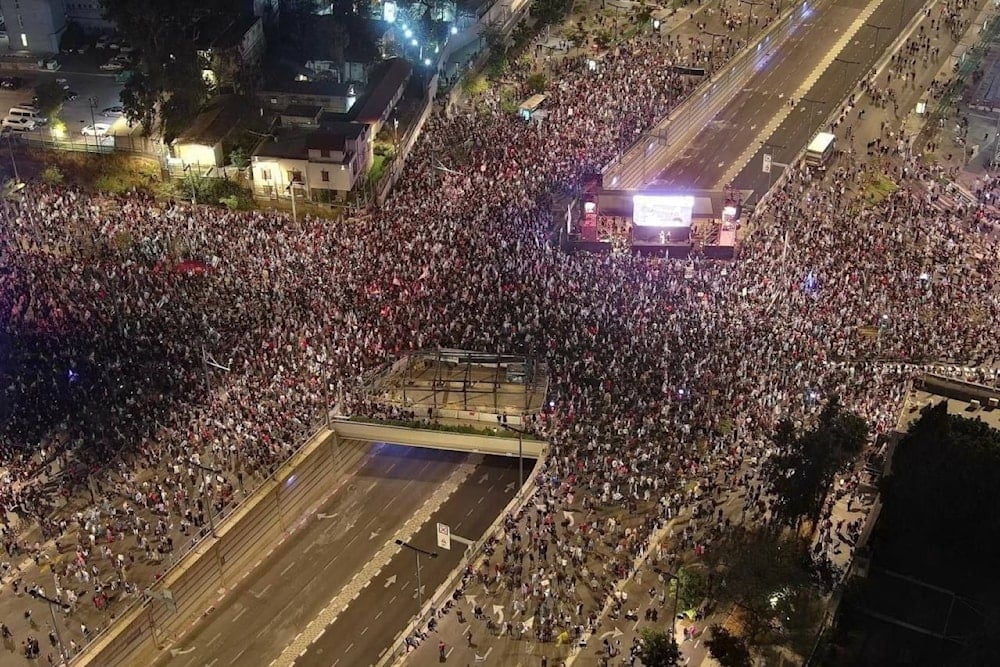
[[666, 224]]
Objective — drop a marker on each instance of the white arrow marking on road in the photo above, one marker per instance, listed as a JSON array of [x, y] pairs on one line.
[[471, 599], [498, 611], [569, 517], [389, 581], [176, 651], [528, 622], [321, 516], [482, 480], [510, 487], [614, 634], [373, 535]]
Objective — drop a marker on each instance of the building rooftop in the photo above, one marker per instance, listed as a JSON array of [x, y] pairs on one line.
[[323, 88], [296, 143], [302, 110], [214, 123], [390, 76]]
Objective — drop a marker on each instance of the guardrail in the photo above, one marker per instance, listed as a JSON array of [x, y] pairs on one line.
[[438, 439], [189, 587]]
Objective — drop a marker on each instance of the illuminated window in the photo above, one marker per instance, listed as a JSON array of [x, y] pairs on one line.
[[24, 40], [265, 174]]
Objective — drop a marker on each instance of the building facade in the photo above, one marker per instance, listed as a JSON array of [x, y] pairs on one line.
[[34, 26]]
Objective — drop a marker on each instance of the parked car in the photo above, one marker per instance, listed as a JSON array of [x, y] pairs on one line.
[[63, 83], [11, 82], [70, 95], [113, 66], [95, 130], [18, 124], [113, 112]]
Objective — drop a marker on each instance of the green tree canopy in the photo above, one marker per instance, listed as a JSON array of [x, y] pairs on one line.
[[728, 649], [658, 649], [167, 88]]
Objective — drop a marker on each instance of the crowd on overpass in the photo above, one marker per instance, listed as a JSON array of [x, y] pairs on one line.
[[164, 358]]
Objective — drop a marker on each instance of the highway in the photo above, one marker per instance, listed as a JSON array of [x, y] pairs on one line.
[[367, 629], [714, 136], [388, 484]]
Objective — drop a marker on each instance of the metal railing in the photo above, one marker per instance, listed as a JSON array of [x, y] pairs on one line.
[[176, 558]]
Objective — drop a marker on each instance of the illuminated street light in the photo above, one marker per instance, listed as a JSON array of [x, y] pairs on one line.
[[427, 62], [408, 33], [454, 30], [413, 42]]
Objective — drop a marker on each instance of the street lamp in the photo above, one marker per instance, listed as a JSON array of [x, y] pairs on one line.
[[206, 479], [752, 4], [502, 421], [55, 626], [418, 551], [291, 190], [878, 30], [194, 192]]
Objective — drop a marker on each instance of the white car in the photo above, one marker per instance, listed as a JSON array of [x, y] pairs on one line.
[[95, 130], [18, 124], [113, 66], [113, 112]]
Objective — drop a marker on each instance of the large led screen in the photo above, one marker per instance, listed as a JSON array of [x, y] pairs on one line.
[[662, 210]]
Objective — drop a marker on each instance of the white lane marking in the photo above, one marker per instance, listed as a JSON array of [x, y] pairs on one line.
[[214, 639], [237, 617], [448, 654], [365, 630], [214, 660], [261, 594], [233, 661], [289, 567], [377, 615]]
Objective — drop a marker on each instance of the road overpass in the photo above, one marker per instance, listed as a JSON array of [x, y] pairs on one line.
[[813, 56], [429, 438]]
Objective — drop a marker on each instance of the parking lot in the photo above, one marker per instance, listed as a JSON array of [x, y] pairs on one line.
[[76, 114]]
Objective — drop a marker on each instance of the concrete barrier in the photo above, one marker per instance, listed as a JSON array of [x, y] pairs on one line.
[[190, 589], [434, 439]]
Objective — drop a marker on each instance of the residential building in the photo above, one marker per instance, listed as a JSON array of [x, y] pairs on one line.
[[328, 95], [391, 78], [89, 15], [232, 55], [202, 142], [326, 163], [34, 26]]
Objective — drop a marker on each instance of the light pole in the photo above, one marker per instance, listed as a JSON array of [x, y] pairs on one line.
[[502, 421], [673, 614], [752, 4], [845, 62], [55, 626], [207, 480], [291, 190], [10, 147], [418, 551], [92, 101], [194, 193], [878, 30]]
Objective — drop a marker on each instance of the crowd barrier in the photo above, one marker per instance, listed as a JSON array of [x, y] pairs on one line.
[[188, 591]]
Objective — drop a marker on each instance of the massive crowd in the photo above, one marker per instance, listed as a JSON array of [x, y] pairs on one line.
[[667, 375]]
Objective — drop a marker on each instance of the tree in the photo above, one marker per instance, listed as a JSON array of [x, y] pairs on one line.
[[693, 583], [238, 158], [803, 470], [167, 87], [728, 649], [658, 649], [49, 99]]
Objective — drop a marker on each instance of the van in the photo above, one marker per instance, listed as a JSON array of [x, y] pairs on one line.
[[29, 113]]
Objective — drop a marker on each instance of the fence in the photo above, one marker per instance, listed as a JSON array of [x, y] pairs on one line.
[[209, 564]]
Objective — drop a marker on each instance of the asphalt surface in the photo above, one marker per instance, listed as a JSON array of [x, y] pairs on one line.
[[368, 628], [779, 67], [272, 605]]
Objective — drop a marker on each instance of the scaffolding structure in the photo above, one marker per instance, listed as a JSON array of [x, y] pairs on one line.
[[446, 380]]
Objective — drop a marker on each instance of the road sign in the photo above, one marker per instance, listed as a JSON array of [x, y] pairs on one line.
[[767, 163], [444, 536]]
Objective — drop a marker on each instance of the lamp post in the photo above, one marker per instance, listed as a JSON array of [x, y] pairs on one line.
[[845, 62], [502, 421], [291, 190], [878, 30], [10, 147], [418, 551], [752, 4], [55, 626], [206, 479], [194, 192], [92, 101]]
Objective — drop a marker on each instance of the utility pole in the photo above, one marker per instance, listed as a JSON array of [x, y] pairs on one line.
[[207, 480], [878, 30], [55, 626], [752, 3], [419, 552], [194, 193]]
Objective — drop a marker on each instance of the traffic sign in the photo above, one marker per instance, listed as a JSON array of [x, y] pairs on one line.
[[767, 163], [444, 536]]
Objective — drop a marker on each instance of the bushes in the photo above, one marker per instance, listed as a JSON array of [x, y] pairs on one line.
[[52, 175], [232, 194]]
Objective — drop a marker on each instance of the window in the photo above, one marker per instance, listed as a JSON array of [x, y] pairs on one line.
[[295, 176], [324, 176], [265, 174], [24, 40], [20, 21], [324, 153]]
